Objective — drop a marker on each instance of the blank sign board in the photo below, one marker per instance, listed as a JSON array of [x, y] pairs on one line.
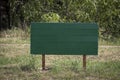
[[64, 38]]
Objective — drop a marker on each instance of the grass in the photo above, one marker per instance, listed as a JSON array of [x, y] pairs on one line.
[[18, 36], [64, 70], [14, 36], [16, 62], [114, 42]]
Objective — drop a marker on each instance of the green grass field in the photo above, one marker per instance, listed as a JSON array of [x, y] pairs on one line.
[[16, 62]]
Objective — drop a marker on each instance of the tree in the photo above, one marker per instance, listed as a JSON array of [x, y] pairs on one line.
[[109, 18], [104, 12]]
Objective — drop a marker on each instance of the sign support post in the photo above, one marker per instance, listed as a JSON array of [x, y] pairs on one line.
[[84, 61], [43, 61]]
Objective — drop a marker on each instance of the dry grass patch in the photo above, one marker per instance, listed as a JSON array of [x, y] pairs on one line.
[[13, 50]]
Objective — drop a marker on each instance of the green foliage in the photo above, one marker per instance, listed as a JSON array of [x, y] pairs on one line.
[[104, 12], [108, 18], [50, 17]]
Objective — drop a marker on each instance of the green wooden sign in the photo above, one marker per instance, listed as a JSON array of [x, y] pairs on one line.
[[64, 38]]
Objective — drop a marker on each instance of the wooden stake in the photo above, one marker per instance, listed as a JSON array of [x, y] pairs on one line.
[[84, 61], [43, 61]]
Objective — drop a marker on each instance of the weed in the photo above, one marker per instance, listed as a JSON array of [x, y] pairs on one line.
[[29, 63], [4, 60]]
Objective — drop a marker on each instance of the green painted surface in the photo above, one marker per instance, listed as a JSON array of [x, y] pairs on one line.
[[64, 38]]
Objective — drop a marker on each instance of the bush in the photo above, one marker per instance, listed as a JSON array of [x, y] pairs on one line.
[[50, 17]]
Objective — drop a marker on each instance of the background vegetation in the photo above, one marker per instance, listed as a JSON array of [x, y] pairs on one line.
[[106, 13]]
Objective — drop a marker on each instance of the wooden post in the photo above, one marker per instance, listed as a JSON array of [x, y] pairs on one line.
[[43, 61], [84, 61]]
